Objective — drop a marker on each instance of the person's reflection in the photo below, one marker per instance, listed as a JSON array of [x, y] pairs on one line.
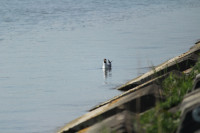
[[107, 72]]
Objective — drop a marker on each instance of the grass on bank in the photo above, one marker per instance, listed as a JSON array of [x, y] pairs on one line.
[[159, 119]]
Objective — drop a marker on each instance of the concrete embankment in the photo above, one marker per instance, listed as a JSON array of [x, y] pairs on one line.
[[141, 94]]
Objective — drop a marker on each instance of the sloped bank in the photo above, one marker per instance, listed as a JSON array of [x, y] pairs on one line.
[[147, 103]]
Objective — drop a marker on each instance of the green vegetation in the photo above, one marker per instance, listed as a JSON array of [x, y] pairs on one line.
[[158, 120], [175, 87]]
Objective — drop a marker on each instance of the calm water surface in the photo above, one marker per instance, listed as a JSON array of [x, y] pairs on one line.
[[51, 53]]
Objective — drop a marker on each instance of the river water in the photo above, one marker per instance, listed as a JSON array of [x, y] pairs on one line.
[[51, 53]]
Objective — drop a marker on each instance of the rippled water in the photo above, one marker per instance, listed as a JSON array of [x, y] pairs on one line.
[[51, 53]]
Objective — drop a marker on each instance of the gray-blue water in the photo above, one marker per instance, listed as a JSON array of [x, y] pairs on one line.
[[51, 53]]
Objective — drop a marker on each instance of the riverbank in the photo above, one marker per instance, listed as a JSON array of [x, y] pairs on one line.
[[157, 101]]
